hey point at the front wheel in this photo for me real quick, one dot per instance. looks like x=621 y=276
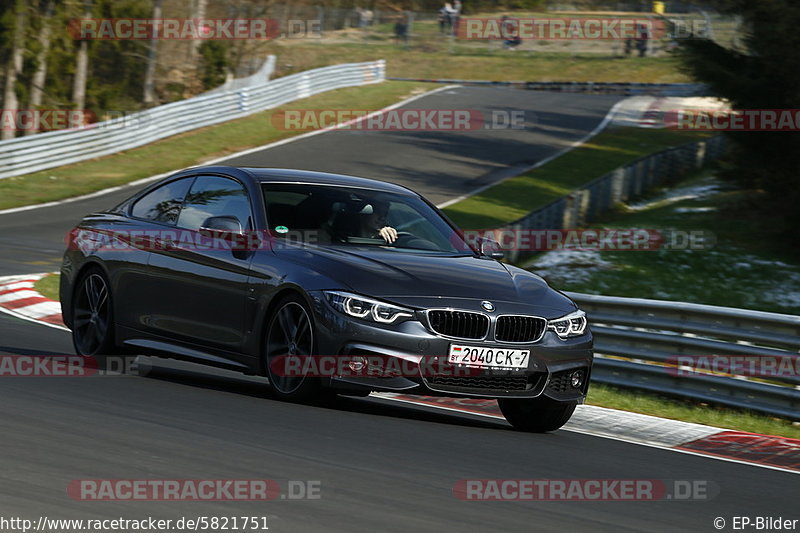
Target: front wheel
x=536 y=415
x=290 y=333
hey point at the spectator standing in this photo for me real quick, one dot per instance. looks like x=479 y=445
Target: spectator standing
x=456 y=15
x=642 y=36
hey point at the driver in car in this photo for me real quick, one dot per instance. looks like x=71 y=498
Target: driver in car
x=372 y=222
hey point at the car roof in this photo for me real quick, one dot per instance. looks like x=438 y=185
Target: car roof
x=266 y=175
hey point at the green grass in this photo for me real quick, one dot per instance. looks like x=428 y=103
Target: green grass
x=747 y=264
x=187 y=149
x=435 y=61
x=656 y=405
x=48 y=286
x=517 y=196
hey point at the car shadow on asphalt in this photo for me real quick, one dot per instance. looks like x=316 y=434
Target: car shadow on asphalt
x=191 y=375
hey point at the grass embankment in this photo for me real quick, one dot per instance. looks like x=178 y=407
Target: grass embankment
x=469 y=63
x=517 y=196
x=743 y=263
x=656 y=405
x=48 y=286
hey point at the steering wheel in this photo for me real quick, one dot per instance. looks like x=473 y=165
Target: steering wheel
x=409 y=240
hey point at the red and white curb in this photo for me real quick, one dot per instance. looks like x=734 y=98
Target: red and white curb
x=766 y=451
x=19 y=298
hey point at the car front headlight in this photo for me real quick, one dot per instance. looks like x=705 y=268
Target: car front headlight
x=571 y=325
x=367 y=308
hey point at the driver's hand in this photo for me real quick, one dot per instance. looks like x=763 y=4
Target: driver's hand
x=388 y=233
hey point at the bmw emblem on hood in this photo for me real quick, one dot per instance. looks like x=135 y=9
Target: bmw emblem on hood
x=487 y=305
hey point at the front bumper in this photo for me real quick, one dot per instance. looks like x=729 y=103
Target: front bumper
x=551 y=363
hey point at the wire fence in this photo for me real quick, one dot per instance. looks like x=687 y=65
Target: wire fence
x=438 y=31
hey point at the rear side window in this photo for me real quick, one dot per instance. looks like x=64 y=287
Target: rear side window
x=215 y=196
x=164 y=203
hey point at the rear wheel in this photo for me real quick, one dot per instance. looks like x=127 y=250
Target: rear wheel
x=536 y=415
x=290 y=333
x=93 y=317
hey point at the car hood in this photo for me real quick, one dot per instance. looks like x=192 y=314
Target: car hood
x=414 y=279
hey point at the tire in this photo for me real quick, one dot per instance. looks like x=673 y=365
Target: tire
x=93 y=317
x=536 y=415
x=290 y=331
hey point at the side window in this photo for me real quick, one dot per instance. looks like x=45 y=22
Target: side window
x=214 y=196
x=164 y=203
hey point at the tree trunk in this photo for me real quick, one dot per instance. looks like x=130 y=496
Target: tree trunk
x=14 y=67
x=152 y=60
x=79 y=84
x=40 y=76
x=198 y=13
x=82 y=66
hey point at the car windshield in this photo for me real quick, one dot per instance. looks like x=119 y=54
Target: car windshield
x=356 y=217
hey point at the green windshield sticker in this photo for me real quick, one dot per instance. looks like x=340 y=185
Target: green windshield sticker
x=281 y=229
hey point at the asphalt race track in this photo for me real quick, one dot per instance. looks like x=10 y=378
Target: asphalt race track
x=380 y=466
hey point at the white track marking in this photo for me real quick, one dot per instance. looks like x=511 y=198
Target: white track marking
x=54 y=307
x=600 y=127
x=585 y=412
x=41 y=309
x=17 y=295
x=17 y=285
x=13 y=313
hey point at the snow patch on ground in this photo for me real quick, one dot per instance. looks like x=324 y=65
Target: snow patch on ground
x=569 y=266
x=694 y=209
x=697 y=191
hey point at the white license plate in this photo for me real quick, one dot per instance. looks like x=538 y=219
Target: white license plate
x=484 y=357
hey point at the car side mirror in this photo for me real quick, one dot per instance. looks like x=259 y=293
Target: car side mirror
x=490 y=248
x=228 y=228
x=225 y=224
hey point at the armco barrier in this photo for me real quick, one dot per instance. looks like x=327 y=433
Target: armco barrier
x=587 y=203
x=639 y=344
x=24 y=155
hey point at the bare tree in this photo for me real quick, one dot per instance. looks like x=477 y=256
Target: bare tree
x=40 y=76
x=82 y=65
x=152 y=60
x=14 y=67
x=199 y=13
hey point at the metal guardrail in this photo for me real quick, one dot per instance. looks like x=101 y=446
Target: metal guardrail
x=658 y=345
x=663 y=347
x=24 y=155
x=260 y=77
x=621 y=184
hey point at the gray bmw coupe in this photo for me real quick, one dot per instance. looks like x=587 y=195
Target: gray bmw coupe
x=324 y=284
